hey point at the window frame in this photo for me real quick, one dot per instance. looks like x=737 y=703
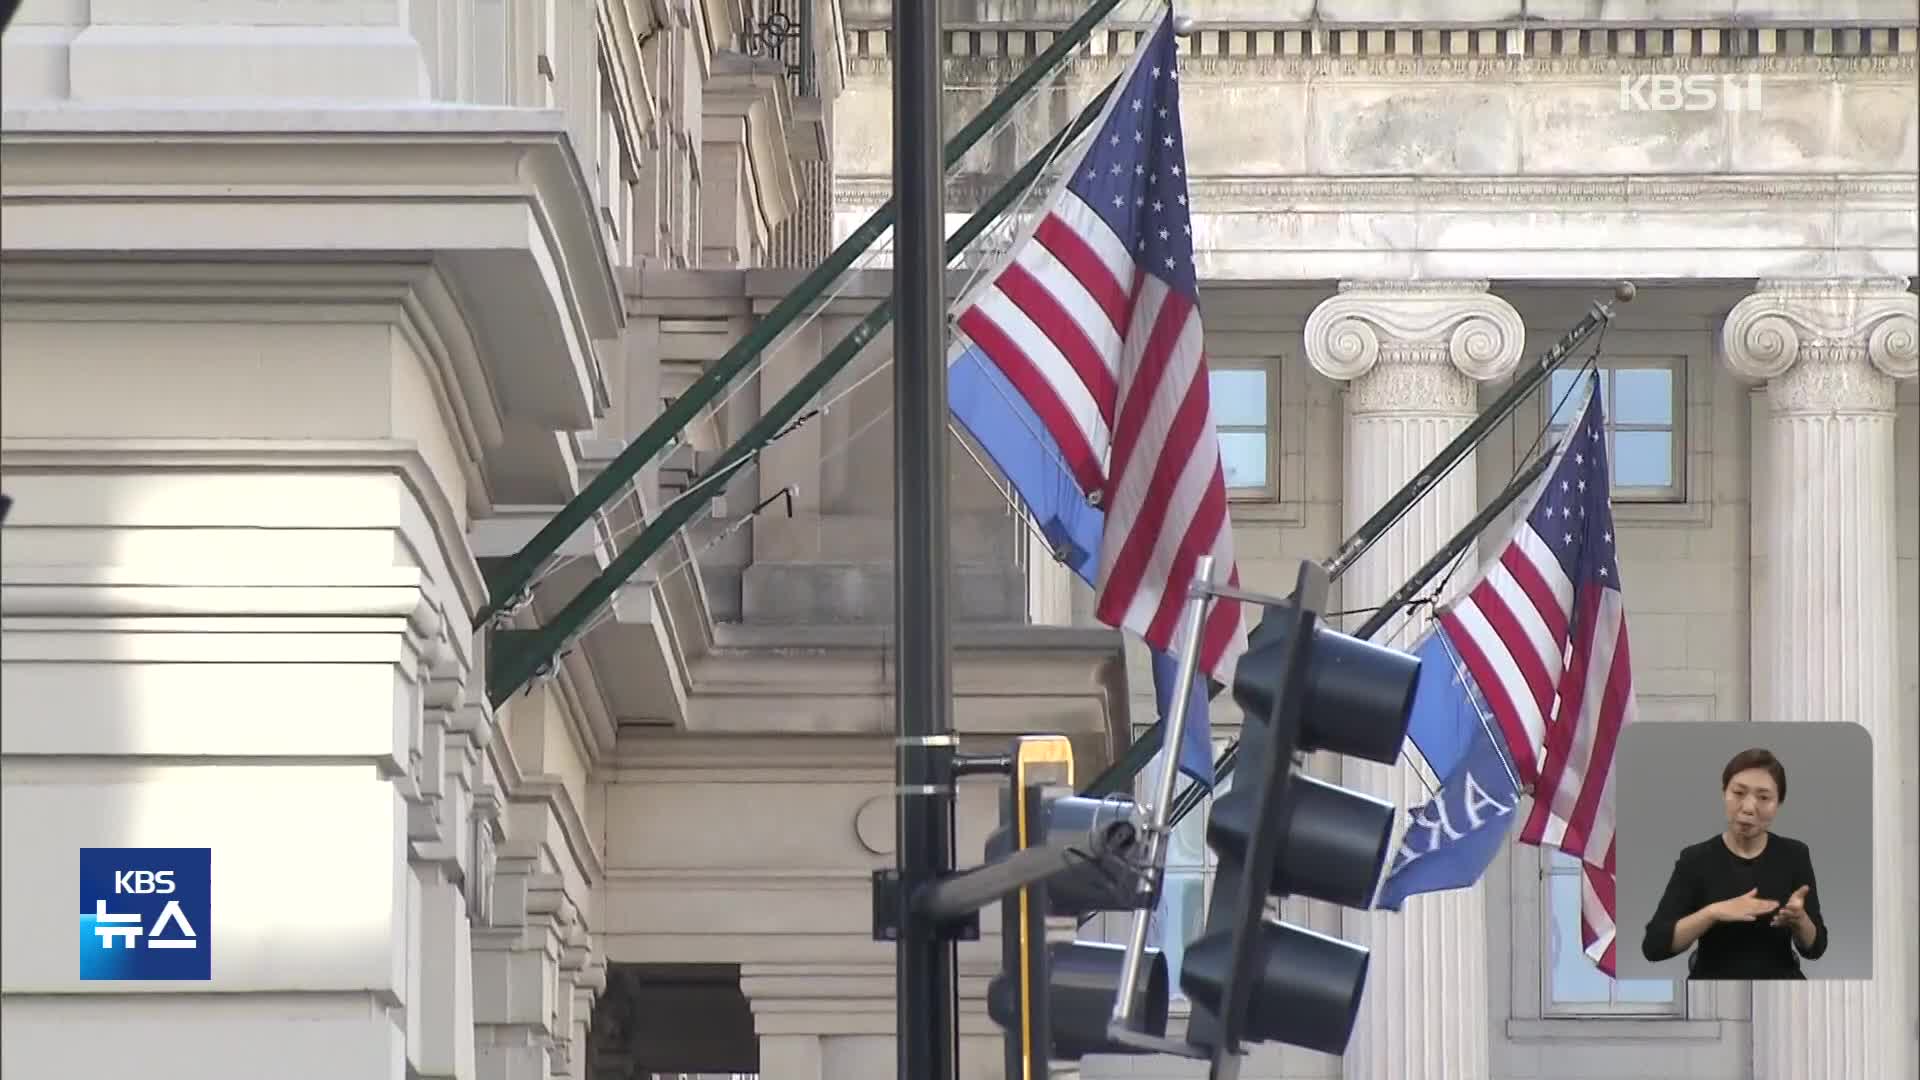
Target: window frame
x=1269 y=367
x=1613 y=1008
x=1678 y=421
x=1708 y=1006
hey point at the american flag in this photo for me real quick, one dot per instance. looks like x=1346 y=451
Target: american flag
x=1094 y=318
x=1544 y=633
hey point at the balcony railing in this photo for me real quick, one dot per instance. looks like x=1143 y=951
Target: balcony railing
x=783 y=30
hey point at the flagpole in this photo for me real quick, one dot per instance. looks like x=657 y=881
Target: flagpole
x=1191 y=796
x=1160 y=823
x=926 y=1020
x=1526 y=380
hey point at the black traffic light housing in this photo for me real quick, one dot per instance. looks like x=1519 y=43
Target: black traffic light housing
x=1055 y=999
x=1303 y=687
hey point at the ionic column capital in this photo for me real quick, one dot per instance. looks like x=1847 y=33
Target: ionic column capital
x=1825 y=345
x=1405 y=343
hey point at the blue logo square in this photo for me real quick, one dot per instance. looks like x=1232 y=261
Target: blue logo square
x=146 y=914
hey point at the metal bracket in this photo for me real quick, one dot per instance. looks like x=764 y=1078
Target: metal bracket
x=503 y=643
x=886 y=913
x=1140 y=1040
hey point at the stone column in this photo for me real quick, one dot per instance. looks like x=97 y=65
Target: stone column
x=1412 y=354
x=1830 y=352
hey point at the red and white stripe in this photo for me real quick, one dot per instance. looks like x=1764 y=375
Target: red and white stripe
x=1558 y=677
x=1596 y=914
x=1112 y=361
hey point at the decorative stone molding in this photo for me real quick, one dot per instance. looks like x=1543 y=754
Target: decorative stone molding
x=749 y=187
x=1489 y=66
x=1826 y=346
x=483 y=858
x=538 y=972
x=1429 y=43
x=863 y=194
x=1414 y=345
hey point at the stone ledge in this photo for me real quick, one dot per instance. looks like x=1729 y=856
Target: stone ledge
x=814 y=594
x=1010 y=637
x=1628 y=1030
x=494 y=198
x=1719 y=192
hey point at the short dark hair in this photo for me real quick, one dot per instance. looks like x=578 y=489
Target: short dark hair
x=1756 y=758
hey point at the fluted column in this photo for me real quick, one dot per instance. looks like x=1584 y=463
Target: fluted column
x=1830 y=352
x=1412 y=354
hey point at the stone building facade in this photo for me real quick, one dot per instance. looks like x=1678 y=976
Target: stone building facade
x=311 y=310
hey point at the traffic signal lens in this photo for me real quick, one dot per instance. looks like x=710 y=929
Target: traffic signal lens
x=1307 y=985
x=1336 y=843
x=1359 y=694
x=1333 y=841
x=1085 y=982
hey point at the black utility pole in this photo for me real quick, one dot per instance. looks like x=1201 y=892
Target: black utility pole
x=923 y=689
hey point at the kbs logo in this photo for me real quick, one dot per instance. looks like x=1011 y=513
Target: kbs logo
x=1690 y=93
x=146 y=914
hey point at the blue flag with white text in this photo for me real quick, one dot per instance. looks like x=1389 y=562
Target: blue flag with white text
x=1006 y=427
x=1450 y=841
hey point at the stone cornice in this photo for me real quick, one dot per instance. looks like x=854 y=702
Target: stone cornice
x=463 y=186
x=1265 y=195
x=997 y=70
x=413 y=295
x=399 y=459
x=1320 y=39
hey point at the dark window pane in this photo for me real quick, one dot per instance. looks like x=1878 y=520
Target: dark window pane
x=1643 y=396
x=1243 y=457
x=1238 y=397
x=1643 y=459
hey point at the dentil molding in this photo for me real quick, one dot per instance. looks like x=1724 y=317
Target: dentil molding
x=1407 y=344
x=1826 y=345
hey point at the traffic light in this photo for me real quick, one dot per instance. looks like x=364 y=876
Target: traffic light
x=1054 y=999
x=1280 y=832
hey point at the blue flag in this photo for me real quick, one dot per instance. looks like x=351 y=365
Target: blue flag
x=1447 y=705
x=1008 y=429
x=1451 y=839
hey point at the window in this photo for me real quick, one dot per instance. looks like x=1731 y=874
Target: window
x=1573 y=985
x=1644 y=444
x=1241 y=394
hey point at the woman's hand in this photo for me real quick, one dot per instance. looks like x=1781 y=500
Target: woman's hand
x=1794 y=911
x=1793 y=915
x=1746 y=907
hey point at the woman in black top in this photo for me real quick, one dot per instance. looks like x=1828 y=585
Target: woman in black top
x=1746 y=898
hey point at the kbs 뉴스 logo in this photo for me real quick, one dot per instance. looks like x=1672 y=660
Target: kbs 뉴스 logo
x=146 y=914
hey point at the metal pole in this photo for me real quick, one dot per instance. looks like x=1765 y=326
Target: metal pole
x=515 y=576
x=512 y=666
x=1196 y=617
x=1117 y=776
x=1470 y=532
x=927 y=1032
